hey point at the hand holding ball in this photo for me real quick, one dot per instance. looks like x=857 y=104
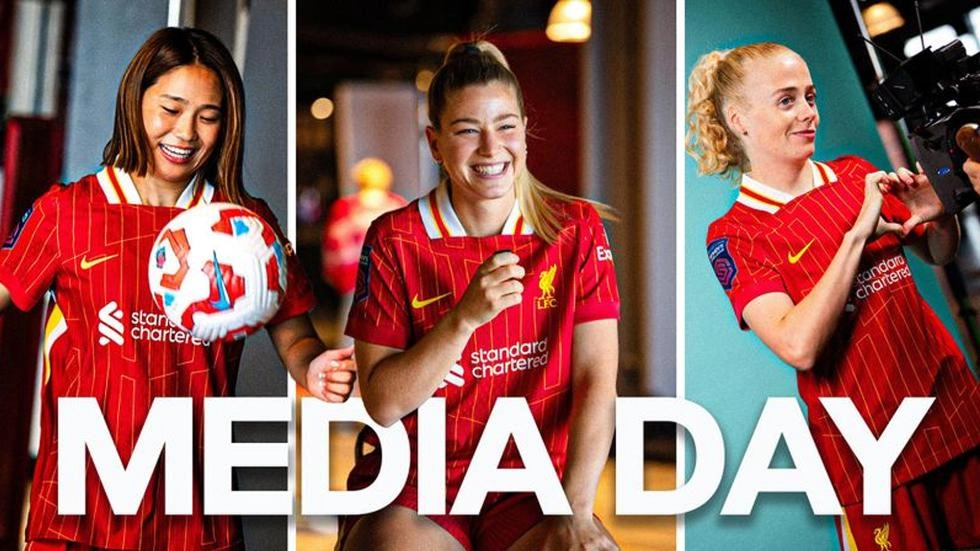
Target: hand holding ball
x=218 y=271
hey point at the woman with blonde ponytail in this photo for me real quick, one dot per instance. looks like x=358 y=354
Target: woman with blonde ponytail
x=811 y=256
x=491 y=286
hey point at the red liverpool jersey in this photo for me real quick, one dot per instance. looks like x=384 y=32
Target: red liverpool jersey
x=415 y=266
x=89 y=242
x=888 y=344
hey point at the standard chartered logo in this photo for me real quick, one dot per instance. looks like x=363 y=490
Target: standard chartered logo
x=454 y=377
x=519 y=356
x=883 y=274
x=143 y=326
x=490 y=362
x=110 y=324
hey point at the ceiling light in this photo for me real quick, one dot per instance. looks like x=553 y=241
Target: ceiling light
x=881 y=18
x=322 y=108
x=422 y=80
x=570 y=21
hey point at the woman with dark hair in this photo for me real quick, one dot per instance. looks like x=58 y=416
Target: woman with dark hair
x=185 y=51
x=812 y=258
x=177 y=142
x=491 y=286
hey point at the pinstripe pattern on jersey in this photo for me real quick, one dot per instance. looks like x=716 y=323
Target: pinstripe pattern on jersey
x=87 y=220
x=408 y=262
x=888 y=344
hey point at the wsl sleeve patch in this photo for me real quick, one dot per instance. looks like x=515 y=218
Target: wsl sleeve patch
x=722 y=262
x=15 y=234
x=362 y=289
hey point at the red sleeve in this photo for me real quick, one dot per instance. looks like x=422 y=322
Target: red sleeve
x=299 y=295
x=742 y=269
x=598 y=295
x=30 y=255
x=380 y=311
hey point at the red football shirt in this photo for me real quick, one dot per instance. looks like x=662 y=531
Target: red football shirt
x=416 y=264
x=344 y=230
x=89 y=242
x=888 y=344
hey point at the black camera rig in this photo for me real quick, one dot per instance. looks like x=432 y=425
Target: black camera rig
x=938 y=95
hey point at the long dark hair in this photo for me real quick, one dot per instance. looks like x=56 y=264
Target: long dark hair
x=164 y=51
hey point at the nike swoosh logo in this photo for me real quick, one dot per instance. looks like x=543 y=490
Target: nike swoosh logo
x=222 y=303
x=416 y=303
x=794 y=258
x=86 y=263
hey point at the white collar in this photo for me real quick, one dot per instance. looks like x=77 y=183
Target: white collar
x=754 y=194
x=440 y=219
x=119 y=188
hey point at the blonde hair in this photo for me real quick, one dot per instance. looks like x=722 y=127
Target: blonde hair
x=715 y=82
x=479 y=63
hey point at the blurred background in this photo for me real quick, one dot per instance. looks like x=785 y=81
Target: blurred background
x=599 y=86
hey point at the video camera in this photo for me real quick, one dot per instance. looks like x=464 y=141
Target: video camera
x=938 y=95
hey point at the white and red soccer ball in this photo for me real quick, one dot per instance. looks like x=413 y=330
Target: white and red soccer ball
x=218 y=271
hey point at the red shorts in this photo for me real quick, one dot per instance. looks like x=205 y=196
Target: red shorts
x=51 y=545
x=59 y=545
x=503 y=519
x=940 y=510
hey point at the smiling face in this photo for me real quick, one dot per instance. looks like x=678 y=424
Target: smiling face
x=182 y=116
x=776 y=115
x=481 y=142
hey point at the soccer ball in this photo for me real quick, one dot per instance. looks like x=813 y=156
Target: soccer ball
x=218 y=271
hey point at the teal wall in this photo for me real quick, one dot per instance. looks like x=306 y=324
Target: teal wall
x=728 y=371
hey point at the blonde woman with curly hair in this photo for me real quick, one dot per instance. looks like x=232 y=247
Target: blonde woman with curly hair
x=811 y=256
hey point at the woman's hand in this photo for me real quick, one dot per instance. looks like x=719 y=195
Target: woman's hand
x=395 y=382
x=561 y=533
x=869 y=224
x=496 y=286
x=916 y=191
x=4 y=298
x=331 y=375
x=972 y=170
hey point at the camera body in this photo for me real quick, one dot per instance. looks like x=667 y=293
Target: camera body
x=937 y=92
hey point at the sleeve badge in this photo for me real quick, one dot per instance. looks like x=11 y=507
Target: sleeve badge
x=722 y=262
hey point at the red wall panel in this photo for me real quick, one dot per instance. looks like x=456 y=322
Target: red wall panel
x=549 y=76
